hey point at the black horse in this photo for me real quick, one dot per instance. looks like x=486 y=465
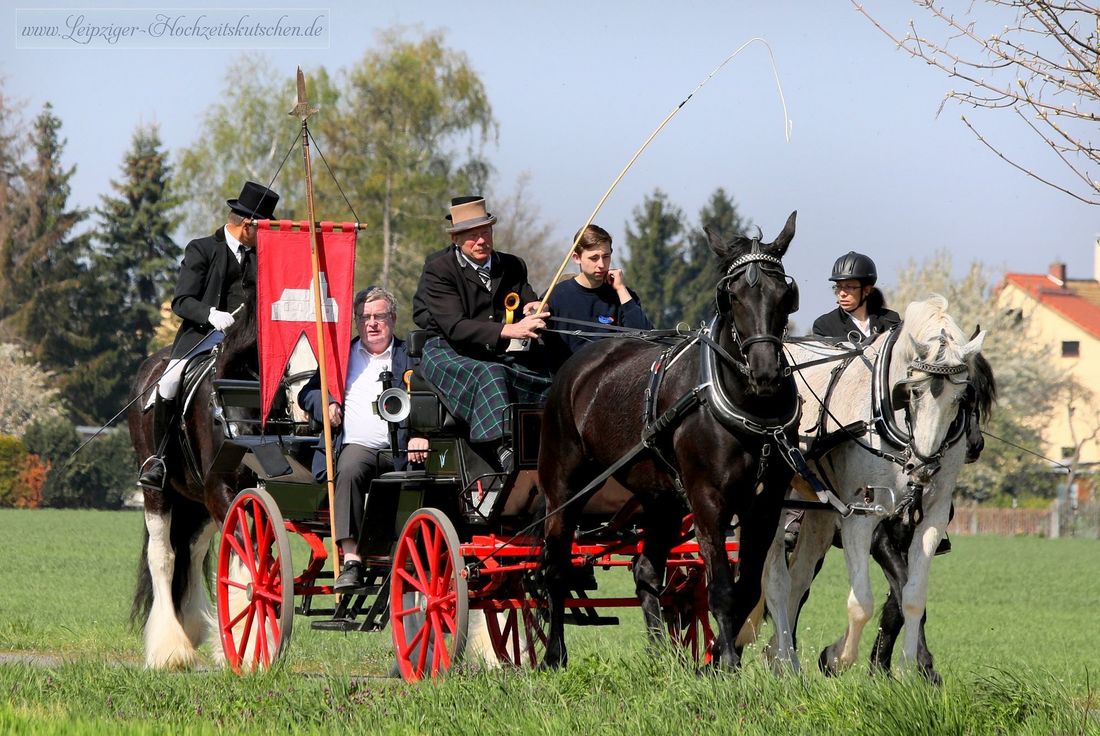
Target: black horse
x=180 y=521
x=709 y=399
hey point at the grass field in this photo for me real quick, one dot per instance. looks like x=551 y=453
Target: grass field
x=1012 y=622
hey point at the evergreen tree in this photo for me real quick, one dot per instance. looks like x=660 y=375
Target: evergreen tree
x=132 y=274
x=656 y=266
x=44 y=260
x=10 y=156
x=696 y=290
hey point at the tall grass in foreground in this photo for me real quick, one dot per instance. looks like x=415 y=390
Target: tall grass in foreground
x=651 y=695
x=1011 y=622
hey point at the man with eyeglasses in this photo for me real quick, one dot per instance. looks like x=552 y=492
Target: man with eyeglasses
x=217 y=275
x=362 y=445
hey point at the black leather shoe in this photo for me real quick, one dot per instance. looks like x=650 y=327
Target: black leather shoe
x=152 y=474
x=351 y=576
x=944 y=547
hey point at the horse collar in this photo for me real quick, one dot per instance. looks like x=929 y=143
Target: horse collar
x=726 y=412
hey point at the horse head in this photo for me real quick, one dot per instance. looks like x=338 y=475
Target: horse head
x=938 y=362
x=754 y=297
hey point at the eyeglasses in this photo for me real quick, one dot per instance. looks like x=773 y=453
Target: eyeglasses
x=377 y=317
x=846 y=288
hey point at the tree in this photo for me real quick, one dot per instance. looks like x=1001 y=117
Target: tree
x=521 y=231
x=131 y=275
x=1028 y=385
x=42 y=302
x=656 y=264
x=1034 y=58
x=696 y=292
x=247 y=135
x=26 y=392
x=407 y=136
x=10 y=158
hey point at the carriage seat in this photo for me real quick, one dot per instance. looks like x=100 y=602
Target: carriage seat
x=427 y=413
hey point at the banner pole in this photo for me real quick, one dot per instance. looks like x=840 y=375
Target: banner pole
x=303 y=110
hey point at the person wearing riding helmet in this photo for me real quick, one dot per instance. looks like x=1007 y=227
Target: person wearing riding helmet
x=860 y=316
x=861 y=311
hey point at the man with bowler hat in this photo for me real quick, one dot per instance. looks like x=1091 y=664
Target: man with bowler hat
x=216 y=274
x=476 y=301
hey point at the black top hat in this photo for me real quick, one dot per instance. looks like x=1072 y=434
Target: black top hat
x=255 y=201
x=467 y=213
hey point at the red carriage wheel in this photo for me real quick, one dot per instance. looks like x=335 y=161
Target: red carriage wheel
x=519 y=634
x=255 y=584
x=687 y=612
x=429 y=608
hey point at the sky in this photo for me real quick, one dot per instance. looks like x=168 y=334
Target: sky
x=577 y=86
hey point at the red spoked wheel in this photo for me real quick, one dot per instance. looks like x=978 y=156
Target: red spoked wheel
x=519 y=634
x=255 y=584
x=688 y=612
x=429 y=608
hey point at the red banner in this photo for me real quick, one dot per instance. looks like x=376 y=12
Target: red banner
x=285 y=302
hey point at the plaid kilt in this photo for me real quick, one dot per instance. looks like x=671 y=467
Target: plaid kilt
x=479 y=392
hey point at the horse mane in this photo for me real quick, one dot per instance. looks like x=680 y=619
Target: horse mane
x=238 y=356
x=924 y=322
x=984 y=384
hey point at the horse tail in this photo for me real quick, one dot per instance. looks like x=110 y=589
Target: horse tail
x=143 y=588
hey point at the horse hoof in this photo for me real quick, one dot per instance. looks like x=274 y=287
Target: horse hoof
x=827 y=663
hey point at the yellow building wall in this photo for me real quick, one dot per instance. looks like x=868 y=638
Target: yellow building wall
x=1054 y=329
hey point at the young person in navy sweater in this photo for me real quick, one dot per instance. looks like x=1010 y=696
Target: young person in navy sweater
x=598 y=294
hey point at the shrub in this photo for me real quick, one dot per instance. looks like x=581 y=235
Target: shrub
x=22 y=474
x=99 y=476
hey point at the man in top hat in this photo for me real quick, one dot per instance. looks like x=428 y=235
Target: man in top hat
x=476 y=301
x=216 y=274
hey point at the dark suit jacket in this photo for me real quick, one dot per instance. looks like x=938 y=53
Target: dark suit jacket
x=202 y=284
x=309 y=398
x=451 y=301
x=838 y=324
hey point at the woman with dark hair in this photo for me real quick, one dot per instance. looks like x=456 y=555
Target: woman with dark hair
x=861 y=311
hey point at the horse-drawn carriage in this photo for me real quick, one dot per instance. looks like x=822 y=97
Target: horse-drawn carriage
x=703 y=430
x=449 y=548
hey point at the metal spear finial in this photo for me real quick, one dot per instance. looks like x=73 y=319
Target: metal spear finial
x=303 y=109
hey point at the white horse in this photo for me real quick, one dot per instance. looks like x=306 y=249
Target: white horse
x=895 y=414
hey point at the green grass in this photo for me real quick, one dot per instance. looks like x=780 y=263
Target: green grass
x=1011 y=622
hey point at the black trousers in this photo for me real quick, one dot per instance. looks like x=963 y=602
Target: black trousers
x=356 y=467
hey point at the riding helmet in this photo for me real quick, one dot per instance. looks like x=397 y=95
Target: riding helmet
x=854 y=265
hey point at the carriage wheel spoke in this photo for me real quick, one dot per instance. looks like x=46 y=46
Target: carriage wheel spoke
x=418 y=584
x=246 y=634
x=418 y=564
x=417 y=638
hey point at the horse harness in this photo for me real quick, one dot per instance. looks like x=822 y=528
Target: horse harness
x=883 y=405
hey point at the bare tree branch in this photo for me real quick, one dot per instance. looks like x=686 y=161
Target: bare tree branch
x=1043 y=63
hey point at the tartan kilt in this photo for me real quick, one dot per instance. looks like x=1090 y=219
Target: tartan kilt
x=479 y=392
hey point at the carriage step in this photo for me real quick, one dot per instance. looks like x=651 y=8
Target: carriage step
x=336 y=624
x=583 y=617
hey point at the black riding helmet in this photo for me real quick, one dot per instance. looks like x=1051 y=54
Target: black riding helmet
x=854 y=265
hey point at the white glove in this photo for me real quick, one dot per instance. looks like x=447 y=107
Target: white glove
x=220 y=320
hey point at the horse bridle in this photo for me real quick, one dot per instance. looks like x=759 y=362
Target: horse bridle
x=750 y=265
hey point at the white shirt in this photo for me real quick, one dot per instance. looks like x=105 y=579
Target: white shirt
x=362 y=426
x=235 y=246
x=863 y=325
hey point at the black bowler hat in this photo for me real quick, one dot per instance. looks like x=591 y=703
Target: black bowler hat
x=255 y=201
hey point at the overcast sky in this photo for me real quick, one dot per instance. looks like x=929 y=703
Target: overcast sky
x=576 y=88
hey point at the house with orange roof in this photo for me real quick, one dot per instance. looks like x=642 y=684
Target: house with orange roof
x=1064 y=312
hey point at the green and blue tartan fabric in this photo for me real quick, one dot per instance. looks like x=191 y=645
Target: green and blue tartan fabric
x=479 y=392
